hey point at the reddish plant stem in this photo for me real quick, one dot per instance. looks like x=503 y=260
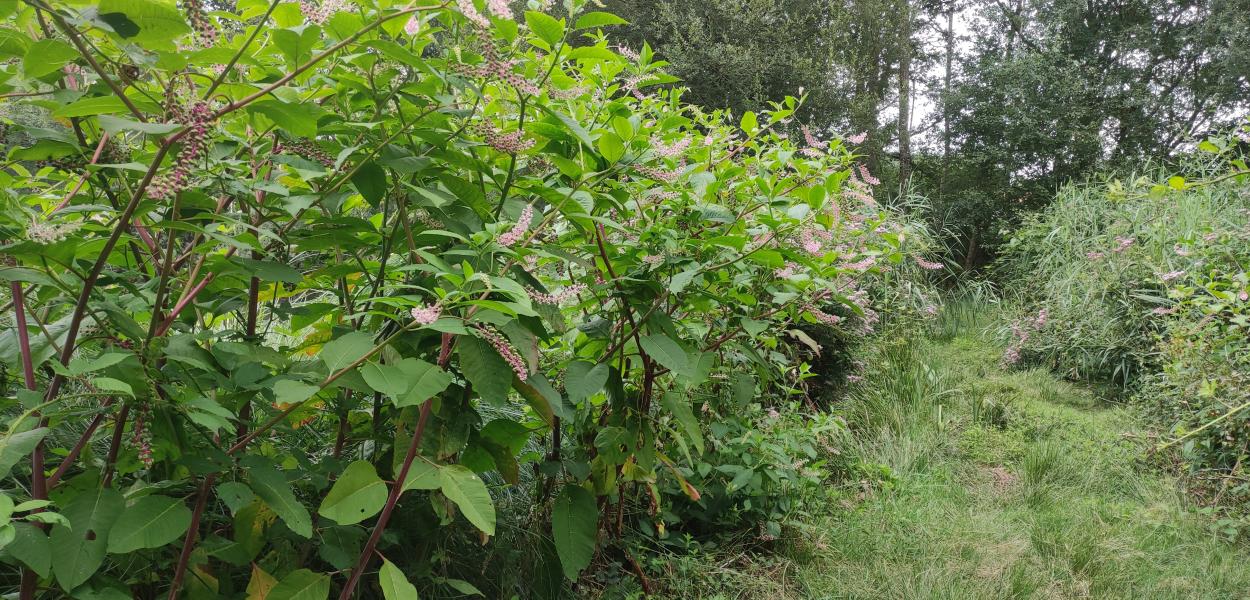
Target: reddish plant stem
x=192 y=532
x=397 y=487
x=70 y=458
x=38 y=484
x=115 y=444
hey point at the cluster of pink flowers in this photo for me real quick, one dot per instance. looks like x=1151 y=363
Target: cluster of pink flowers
x=196 y=119
x=559 y=297
x=1093 y=255
x=319 y=12
x=1169 y=276
x=413 y=26
x=930 y=310
x=813 y=239
x=1163 y=311
x=508 y=143
x=1122 y=244
x=494 y=66
x=862 y=265
x=813 y=148
x=929 y=265
x=653 y=259
x=204 y=29
x=1020 y=334
x=425 y=315
x=501 y=345
x=787 y=271
x=517 y=232
x=628 y=53
x=868 y=178
x=858 y=138
x=470 y=12
x=1180 y=250
x=499 y=8
x=822 y=316
x=658 y=174
x=672 y=150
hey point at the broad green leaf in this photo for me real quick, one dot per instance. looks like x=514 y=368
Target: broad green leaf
x=485 y=369
x=345 y=350
x=583 y=380
x=46 y=56
x=292 y=392
x=14 y=447
x=260 y=585
x=393 y=583
x=428 y=380
x=296 y=118
x=301 y=585
x=108 y=384
x=665 y=351
x=611 y=146
x=80 y=547
x=99 y=105
x=750 y=123
x=272 y=487
x=31 y=546
x=548 y=29
x=357 y=495
x=143 y=21
x=388 y=379
x=151 y=522
x=370 y=181
x=598 y=19
x=116 y=125
x=466 y=489
x=574 y=525
x=422 y=475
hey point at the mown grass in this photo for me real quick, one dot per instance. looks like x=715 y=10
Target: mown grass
x=996 y=485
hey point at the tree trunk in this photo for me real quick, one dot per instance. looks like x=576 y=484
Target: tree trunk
x=904 y=100
x=946 y=98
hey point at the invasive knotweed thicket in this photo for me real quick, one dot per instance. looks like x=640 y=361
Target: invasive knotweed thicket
x=293 y=282
x=1147 y=284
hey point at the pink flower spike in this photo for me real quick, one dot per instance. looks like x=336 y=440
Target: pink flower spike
x=425 y=315
x=501 y=345
x=413 y=26
x=858 y=138
x=929 y=265
x=510 y=238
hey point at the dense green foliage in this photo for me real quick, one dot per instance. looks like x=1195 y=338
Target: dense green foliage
x=319 y=297
x=1145 y=284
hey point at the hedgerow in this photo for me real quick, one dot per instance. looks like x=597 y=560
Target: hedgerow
x=297 y=286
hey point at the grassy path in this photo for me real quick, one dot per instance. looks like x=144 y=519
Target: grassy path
x=1005 y=485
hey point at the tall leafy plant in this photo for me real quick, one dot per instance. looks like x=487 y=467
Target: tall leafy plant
x=279 y=270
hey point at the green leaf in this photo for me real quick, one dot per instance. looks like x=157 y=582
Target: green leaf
x=143 y=21
x=151 y=522
x=393 y=583
x=485 y=369
x=583 y=380
x=296 y=118
x=289 y=391
x=422 y=475
x=272 y=487
x=108 y=384
x=750 y=123
x=47 y=56
x=574 y=524
x=598 y=19
x=115 y=125
x=301 y=585
x=611 y=146
x=79 y=548
x=345 y=350
x=16 y=446
x=679 y=405
x=466 y=489
x=99 y=105
x=427 y=379
x=546 y=27
x=370 y=181
x=679 y=282
x=31 y=546
x=665 y=351
x=357 y=495
x=388 y=379
x=1176 y=182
